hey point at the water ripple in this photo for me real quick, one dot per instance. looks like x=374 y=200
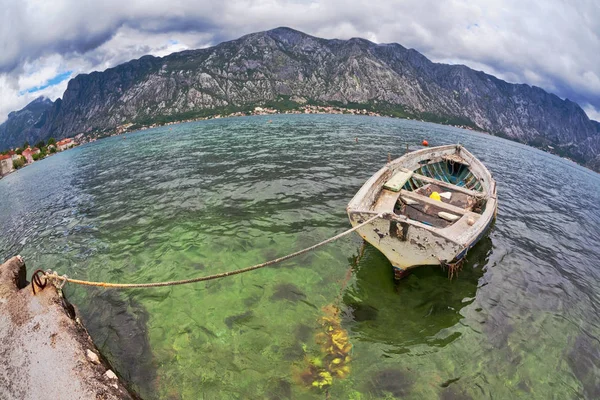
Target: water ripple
x=206 y=197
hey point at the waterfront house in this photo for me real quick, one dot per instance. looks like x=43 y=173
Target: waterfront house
x=64 y=144
x=35 y=150
x=13 y=155
x=27 y=153
x=6 y=164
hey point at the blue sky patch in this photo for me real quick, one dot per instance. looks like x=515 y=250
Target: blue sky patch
x=50 y=82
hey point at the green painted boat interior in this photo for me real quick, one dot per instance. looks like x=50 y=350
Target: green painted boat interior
x=446 y=171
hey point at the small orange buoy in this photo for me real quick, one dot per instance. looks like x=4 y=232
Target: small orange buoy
x=425 y=142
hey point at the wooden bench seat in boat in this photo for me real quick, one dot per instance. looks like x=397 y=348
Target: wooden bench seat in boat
x=386 y=201
x=457 y=199
x=447 y=185
x=462 y=225
x=421 y=207
x=398 y=180
x=405 y=194
x=434 y=212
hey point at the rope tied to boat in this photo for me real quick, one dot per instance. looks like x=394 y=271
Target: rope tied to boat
x=60 y=280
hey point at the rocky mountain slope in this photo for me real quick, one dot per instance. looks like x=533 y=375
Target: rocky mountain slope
x=25 y=124
x=284 y=66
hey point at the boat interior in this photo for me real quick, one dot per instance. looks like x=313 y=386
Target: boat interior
x=439 y=193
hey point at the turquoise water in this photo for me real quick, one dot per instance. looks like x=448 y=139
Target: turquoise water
x=521 y=320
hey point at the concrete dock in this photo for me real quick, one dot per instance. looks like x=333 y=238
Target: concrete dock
x=46 y=352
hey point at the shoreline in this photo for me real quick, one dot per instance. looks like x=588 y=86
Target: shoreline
x=82 y=139
x=321 y=110
x=264 y=111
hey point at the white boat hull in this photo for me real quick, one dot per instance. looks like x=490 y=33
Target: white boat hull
x=408 y=243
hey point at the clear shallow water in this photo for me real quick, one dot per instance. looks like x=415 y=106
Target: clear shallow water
x=522 y=319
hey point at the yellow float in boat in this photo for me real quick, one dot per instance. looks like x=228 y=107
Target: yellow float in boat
x=435 y=196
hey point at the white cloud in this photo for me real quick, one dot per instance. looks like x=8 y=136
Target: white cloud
x=552 y=44
x=124 y=45
x=592 y=112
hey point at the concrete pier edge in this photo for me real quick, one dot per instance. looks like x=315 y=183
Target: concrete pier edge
x=46 y=352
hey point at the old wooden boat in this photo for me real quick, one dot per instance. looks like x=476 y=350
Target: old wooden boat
x=436 y=203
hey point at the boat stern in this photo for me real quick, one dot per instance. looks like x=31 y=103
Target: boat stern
x=403 y=243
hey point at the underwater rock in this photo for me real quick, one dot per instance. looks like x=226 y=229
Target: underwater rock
x=279 y=390
x=394 y=381
x=498 y=329
x=303 y=332
x=524 y=386
x=207 y=331
x=449 y=382
x=584 y=360
x=43 y=350
x=287 y=291
x=453 y=393
x=120 y=324
x=252 y=300
x=199 y=266
x=239 y=319
x=293 y=353
x=271 y=254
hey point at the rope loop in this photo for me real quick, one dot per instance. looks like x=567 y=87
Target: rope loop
x=36 y=279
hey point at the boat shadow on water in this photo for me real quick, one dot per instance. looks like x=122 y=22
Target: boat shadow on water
x=415 y=310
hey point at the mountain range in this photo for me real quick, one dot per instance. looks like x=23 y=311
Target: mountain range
x=285 y=68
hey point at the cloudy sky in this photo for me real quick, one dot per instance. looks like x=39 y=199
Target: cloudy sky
x=554 y=44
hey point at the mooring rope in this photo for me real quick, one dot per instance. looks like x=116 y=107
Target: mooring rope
x=53 y=276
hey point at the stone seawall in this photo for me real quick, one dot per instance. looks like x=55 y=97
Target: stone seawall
x=46 y=352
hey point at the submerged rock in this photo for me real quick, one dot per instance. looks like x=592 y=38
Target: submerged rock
x=303 y=333
x=584 y=360
x=452 y=393
x=394 y=381
x=287 y=291
x=279 y=389
x=118 y=323
x=239 y=319
x=45 y=353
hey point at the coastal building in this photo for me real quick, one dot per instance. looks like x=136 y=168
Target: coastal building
x=120 y=129
x=35 y=150
x=13 y=155
x=64 y=144
x=6 y=164
x=27 y=153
